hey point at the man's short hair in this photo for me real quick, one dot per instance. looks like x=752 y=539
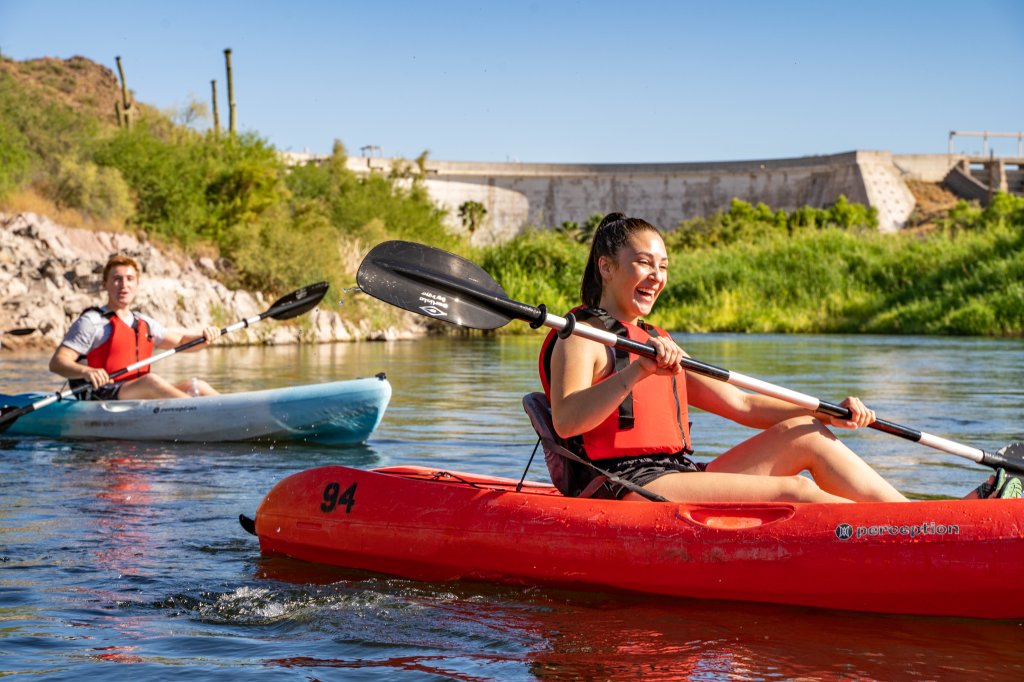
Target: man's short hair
x=119 y=259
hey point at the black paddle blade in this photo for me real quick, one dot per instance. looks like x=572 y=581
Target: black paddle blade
x=248 y=525
x=298 y=302
x=435 y=283
x=20 y=332
x=1010 y=457
x=5 y=422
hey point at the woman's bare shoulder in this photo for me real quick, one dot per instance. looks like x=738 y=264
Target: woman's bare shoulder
x=577 y=351
x=575 y=341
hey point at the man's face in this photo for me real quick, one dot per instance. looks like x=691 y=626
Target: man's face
x=121 y=284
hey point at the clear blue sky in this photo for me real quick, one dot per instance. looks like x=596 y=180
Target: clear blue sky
x=565 y=81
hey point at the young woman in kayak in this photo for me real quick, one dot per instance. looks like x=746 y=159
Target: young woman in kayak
x=630 y=416
x=104 y=340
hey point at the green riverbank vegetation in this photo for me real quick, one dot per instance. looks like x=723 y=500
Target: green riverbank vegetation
x=275 y=227
x=751 y=269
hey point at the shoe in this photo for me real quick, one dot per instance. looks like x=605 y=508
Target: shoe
x=1012 y=489
x=992 y=486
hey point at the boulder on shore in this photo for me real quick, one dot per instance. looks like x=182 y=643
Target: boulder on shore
x=50 y=273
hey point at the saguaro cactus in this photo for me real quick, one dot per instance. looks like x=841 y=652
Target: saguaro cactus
x=216 y=117
x=231 y=92
x=123 y=109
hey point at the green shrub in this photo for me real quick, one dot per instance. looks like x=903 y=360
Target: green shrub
x=539 y=266
x=15 y=160
x=191 y=186
x=400 y=209
x=243 y=180
x=100 y=193
x=744 y=222
x=166 y=176
x=34 y=133
x=834 y=281
x=286 y=248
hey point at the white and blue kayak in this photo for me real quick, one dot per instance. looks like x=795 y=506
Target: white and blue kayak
x=335 y=413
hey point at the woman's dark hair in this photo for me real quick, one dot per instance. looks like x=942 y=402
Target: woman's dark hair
x=614 y=231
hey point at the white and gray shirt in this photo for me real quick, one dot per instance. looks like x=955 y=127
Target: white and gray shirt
x=91 y=330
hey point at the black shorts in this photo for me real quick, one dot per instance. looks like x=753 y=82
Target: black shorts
x=642 y=470
x=105 y=392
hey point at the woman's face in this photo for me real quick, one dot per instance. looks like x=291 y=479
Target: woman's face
x=635 y=276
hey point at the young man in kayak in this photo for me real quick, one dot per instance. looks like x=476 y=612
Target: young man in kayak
x=104 y=340
x=630 y=417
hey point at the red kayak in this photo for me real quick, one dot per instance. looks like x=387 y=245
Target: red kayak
x=943 y=558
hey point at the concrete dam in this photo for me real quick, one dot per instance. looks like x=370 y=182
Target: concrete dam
x=519 y=195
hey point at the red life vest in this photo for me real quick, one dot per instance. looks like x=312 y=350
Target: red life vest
x=126 y=346
x=652 y=419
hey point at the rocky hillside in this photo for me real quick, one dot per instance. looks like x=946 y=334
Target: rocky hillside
x=50 y=273
x=88 y=88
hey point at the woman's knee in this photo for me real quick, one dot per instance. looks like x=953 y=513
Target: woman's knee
x=795 y=428
x=800 y=488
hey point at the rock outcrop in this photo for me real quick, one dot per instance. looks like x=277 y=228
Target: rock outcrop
x=50 y=273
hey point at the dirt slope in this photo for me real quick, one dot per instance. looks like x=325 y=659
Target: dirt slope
x=82 y=84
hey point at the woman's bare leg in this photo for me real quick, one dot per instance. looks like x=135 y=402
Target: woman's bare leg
x=805 y=444
x=727 y=487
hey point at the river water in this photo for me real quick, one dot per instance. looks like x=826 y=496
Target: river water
x=126 y=561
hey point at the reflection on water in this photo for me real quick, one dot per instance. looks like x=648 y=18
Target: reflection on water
x=126 y=559
x=567 y=635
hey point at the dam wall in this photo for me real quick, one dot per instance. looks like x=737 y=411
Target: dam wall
x=518 y=195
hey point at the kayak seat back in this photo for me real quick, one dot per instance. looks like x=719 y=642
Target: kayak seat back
x=568 y=472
